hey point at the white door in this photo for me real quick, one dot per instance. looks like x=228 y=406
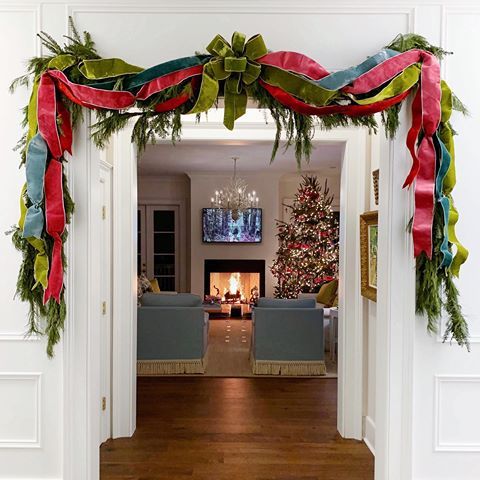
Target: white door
x=105 y=242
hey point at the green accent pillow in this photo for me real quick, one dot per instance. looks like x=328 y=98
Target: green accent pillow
x=327 y=293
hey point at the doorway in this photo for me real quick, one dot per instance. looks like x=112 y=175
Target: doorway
x=350 y=381
x=350 y=343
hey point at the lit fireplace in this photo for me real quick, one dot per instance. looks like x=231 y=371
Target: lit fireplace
x=234 y=281
x=235 y=287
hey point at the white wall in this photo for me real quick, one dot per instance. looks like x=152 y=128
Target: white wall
x=446 y=427
x=30 y=385
x=444 y=446
x=202 y=186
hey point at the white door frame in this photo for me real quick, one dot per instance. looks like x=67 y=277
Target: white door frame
x=81 y=352
x=106 y=298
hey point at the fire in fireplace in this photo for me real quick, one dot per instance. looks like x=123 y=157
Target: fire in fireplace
x=234 y=281
x=235 y=287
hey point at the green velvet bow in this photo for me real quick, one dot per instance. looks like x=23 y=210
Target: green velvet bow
x=234 y=64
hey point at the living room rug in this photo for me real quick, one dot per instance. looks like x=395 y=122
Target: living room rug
x=228 y=352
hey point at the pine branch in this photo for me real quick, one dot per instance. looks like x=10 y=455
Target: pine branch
x=410 y=41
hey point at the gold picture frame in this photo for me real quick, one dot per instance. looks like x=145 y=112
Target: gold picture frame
x=368 y=254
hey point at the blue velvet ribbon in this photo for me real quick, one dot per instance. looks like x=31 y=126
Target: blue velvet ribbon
x=340 y=79
x=443 y=165
x=35 y=172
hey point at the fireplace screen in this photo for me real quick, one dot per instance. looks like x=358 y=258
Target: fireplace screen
x=235 y=287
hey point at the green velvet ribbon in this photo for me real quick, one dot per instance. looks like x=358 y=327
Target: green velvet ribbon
x=100 y=69
x=299 y=86
x=236 y=65
x=62 y=62
x=41 y=264
x=446 y=136
x=399 y=84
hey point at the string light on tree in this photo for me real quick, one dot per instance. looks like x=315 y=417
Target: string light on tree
x=308 y=244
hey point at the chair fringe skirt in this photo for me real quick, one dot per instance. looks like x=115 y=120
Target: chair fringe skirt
x=294 y=368
x=152 y=368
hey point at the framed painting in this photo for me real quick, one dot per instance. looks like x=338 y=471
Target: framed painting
x=368 y=254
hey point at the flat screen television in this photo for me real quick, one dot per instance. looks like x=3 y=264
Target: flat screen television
x=218 y=226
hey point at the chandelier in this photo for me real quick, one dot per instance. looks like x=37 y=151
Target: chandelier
x=234 y=196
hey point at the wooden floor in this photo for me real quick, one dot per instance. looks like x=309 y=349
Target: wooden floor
x=236 y=429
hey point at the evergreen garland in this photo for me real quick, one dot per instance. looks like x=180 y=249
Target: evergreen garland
x=435 y=288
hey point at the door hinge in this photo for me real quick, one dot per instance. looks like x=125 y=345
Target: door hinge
x=104 y=308
x=104 y=212
x=104 y=403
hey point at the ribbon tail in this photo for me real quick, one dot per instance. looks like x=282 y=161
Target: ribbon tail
x=208 y=92
x=462 y=253
x=424 y=199
x=442 y=200
x=235 y=107
x=55 y=222
x=55 y=278
x=66 y=135
x=412 y=137
x=40 y=268
x=35 y=171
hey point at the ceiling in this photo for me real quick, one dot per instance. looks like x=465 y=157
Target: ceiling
x=215 y=156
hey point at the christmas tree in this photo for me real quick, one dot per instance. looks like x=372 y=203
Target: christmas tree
x=308 y=244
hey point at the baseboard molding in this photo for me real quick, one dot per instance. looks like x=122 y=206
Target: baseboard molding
x=369 y=434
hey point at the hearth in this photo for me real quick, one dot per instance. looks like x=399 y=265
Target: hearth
x=234 y=281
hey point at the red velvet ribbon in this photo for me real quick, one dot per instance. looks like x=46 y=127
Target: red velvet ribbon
x=172 y=103
x=426 y=111
x=180 y=99
x=426 y=116
x=66 y=135
x=412 y=137
x=55 y=225
x=385 y=71
x=47 y=115
x=93 y=97
x=424 y=199
x=294 y=62
x=165 y=81
x=352 y=110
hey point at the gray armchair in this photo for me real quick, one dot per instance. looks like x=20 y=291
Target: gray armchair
x=287 y=338
x=172 y=334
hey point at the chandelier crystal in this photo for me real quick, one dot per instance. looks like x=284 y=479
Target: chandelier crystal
x=234 y=196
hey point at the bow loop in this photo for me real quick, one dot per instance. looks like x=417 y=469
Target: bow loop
x=255 y=47
x=236 y=65
x=219 y=47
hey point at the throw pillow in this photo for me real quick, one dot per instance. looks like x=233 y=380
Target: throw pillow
x=327 y=293
x=155 y=286
x=143 y=285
